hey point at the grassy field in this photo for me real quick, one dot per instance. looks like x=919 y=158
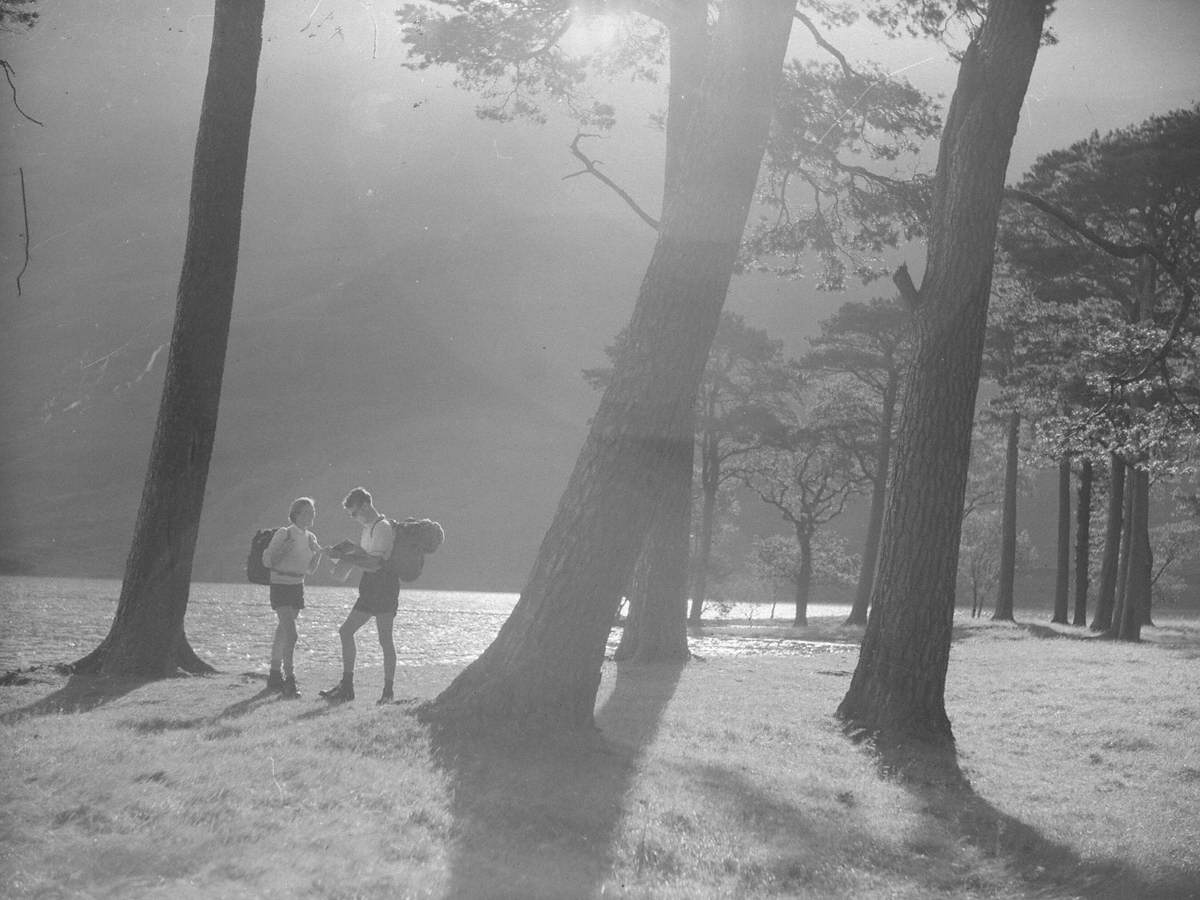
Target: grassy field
x=1077 y=774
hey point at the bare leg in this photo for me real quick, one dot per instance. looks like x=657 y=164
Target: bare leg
x=353 y=622
x=383 y=624
x=283 y=650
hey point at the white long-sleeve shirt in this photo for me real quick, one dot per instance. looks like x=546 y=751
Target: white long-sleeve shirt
x=290 y=560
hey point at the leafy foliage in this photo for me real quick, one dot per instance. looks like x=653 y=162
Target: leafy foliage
x=1105 y=343
x=830 y=127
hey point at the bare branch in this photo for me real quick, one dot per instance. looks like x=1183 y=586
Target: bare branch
x=590 y=168
x=824 y=44
x=25 y=210
x=8 y=74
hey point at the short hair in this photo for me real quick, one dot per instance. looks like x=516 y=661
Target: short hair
x=357 y=497
x=301 y=503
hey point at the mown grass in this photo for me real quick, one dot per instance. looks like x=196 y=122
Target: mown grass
x=1077 y=774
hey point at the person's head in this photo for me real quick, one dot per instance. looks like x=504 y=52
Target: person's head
x=358 y=501
x=303 y=512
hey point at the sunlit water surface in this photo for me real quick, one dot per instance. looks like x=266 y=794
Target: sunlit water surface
x=53 y=620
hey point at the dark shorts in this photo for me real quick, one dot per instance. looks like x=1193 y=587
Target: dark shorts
x=287 y=595
x=378 y=593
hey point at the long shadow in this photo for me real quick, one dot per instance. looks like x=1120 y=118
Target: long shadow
x=933 y=775
x=536 y=818
x=81 y=693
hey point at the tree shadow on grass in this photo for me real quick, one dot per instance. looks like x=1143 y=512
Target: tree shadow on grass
x=933 y=776
x=81 y=693
x=84 y=693
x=537 y=817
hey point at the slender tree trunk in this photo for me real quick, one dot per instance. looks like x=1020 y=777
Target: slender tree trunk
x=803 y=578
x=1062 y=584
x=543 y=669
x=710 y=480
x=883 y=461
x=656 y=627
x=1112 y=545
x=1008 y=523
x=1114 y=628
x=147 y=638
x=898 y=688
x=1137 y=591
x=1083 y=542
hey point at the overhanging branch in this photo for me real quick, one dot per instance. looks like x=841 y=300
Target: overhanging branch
x=1123 y=251
x=590 y=168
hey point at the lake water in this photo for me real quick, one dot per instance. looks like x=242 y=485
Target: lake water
x=52 y=620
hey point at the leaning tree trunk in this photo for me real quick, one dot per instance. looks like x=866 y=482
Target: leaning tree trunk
x=660 y=582
x=146 y=638
x=1083 y=542
x=656 y=628
x=898 y=688
x=883 y=461
x=1105 y=598
x=1008 y=523
x=1062 y=582
x=543 y=669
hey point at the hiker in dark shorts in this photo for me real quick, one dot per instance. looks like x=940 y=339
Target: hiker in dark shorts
x=378 y=596
x=293 y=553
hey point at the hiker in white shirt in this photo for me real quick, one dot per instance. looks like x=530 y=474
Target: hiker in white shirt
x=292 y=554
x=378 y=596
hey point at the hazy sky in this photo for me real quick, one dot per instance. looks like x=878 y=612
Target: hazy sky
x=369 y=182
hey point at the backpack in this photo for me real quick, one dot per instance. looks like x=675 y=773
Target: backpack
x=256 y=570
x=413 y=539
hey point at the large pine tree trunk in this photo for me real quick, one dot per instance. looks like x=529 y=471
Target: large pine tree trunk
x=898 y=688
x=1083 y=542
x=659 y=588
x=147 y=638
x=543 y=669
x=1106 y=596
x=1008 y=523
x=1062 y=582
x=883 y=461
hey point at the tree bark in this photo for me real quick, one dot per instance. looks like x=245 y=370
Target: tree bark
x=1008 y=523
x=1105 y=599
x=1114 y=628
x=883 y=461
x=147 y=638
x=710 y=483
x=543 y=669
x=1083 y=542
x=1062 y=583
x=660 y=580
x=1137 y=591
x=898 y=688
x=658 y=630
x=803 y=578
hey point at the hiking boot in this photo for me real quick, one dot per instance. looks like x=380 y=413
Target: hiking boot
x=339 y=693
x=385 y=697
x=275 y=680
x=289 y=689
